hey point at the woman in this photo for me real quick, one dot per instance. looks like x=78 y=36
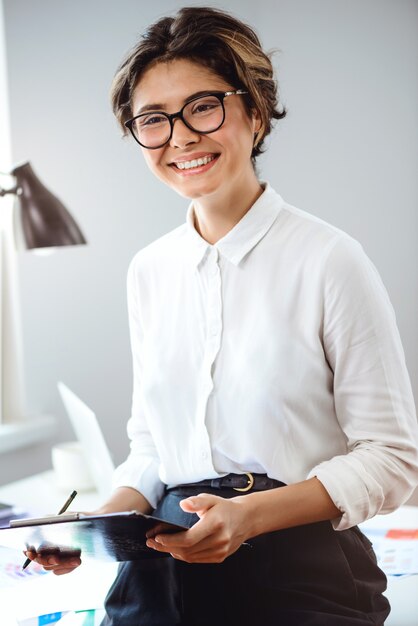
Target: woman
x=272 y=410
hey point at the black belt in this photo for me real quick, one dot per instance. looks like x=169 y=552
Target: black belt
x=238 y=482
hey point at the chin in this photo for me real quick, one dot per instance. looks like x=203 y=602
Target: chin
x=195 y=189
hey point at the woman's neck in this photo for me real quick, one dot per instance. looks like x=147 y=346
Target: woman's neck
x=216 y=216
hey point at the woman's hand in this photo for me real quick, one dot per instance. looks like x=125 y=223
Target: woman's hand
x=58 y=563
x=222 y=528
x=122 y=499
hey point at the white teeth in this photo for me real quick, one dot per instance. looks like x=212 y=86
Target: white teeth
x=186 y=165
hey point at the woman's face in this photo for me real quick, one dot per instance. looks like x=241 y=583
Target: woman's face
x=172 y=84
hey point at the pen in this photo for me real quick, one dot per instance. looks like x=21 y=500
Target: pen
x=62 y=510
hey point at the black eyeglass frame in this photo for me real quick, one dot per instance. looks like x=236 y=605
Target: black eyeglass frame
x=221 y=95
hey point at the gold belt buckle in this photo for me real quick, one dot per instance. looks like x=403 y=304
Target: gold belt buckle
x=249 y=485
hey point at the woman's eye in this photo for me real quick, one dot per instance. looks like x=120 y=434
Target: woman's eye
x=205 y=107
x=152 y=120
x=202 y=108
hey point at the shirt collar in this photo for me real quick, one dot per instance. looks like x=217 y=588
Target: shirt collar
x=245 y=234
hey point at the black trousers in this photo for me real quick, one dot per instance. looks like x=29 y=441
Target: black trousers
x=309 y=575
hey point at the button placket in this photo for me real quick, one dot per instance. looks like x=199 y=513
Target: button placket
x=212 y=346
x=214 y=314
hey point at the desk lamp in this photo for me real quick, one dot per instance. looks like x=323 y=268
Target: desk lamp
x=45 y=220
x=44 y=223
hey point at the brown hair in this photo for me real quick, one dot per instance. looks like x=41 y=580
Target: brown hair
x=214 y=39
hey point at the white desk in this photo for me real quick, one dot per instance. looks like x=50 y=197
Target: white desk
x=40 y=492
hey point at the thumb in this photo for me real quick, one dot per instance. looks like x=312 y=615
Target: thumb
x=199 y=504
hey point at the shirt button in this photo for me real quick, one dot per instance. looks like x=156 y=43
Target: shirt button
x=214 y=271
x=214 y=331
x=204 y=454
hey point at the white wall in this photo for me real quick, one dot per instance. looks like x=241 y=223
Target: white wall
x=347 y=152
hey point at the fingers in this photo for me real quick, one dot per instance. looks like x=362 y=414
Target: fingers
x=216 y=547
x=191 y=550
x=209 y=550
x=183 y=540
x=30 y=554
x=200 y=503
x=56 y=563
x=159 y=528
x=203 y=529
x=217 y=534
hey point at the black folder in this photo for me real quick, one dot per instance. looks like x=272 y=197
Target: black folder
x=108 y=537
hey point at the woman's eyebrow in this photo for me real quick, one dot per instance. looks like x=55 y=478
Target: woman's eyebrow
x=161 y=107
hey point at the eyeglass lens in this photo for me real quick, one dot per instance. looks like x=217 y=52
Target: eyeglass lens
x=203 y=115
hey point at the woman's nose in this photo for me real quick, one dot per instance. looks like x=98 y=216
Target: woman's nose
x=182 y=134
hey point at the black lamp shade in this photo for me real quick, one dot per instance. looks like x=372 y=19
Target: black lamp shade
x=45 y=220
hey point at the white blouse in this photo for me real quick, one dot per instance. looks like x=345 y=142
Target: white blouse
x=276 y=351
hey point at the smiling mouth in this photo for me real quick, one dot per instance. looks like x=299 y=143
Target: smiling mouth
x=194 y=164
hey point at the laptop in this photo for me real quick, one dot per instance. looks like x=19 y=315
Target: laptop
x=91 y=438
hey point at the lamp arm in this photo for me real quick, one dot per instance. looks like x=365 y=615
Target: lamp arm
x=13 y=190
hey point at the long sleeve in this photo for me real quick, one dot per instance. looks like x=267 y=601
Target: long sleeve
x=140 y=470
x=372 y=392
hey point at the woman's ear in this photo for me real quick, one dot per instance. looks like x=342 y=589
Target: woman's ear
x=256 y=119
x=257 y=124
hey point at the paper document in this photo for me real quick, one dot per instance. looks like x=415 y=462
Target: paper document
x=82 y=590
x=396 y=550
x=11 y=573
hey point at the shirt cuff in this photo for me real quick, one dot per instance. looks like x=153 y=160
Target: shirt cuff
x=141 y=476
x=354 y=492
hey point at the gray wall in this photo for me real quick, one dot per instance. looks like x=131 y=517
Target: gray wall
x=347 y=152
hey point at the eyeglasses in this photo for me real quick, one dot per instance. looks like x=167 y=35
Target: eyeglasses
x=203 y=114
